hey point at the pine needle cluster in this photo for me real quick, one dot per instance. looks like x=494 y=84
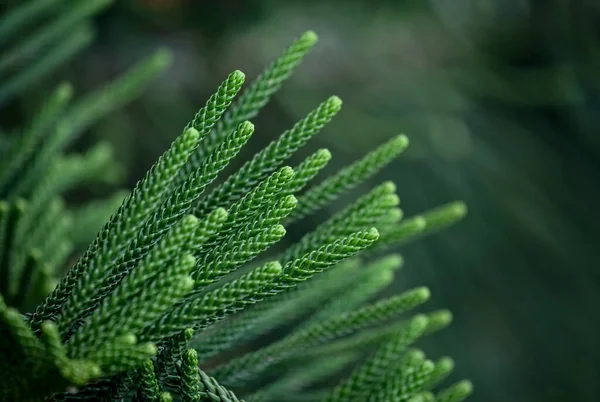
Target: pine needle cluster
x=168 y=299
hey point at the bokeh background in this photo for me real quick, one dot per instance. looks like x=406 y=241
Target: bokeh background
x=501 y=102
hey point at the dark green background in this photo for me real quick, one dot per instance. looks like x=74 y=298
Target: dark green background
x=501 y=101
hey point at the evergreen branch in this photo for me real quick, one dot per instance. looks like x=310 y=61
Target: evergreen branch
x=76 y=371
x=332 y=281
x=22 y=147
x=116 y=234
x=260 y=90
x=300 y=379
x=190 y=377
x=276 y=310
x=307 y=296
x=444 y=216
x=316 y=261
x=17 y=335
x=150 y=273
x=438 y=320
x=41 y=366
x=402 y=233
x=66 y=172
x=80 y=38
x=253 y=202
x=388 y=222
x=402 y=383
x=217 y=104
x=207 y=117
x=16 y=18
x=351 y=322
x=443 y=368
x=295 y=272
x=349 y=177
x=9 y=222
x=181 y=199
x=363 y=340
x=392 y=217
x=272 y=212
x=259 y=232
x=455 y=393
x=418 y=226
x=372 y=337
x=98 y=163
x=308 y=169
x=169 y=355
x=121 y=354
x=228 y=256
x=211 y=390
x=53 y=248
x=358 y=383
x=412 y=358
x=270 y=158
x=403 y=379
x=231 y=332
x=368 y=209
x=31 y=265
x=216 y=304
x=241 y=368
x=44 y=282
x=149 y=390
x=31 y=234
x=376 y=276
x=49 y=33
x=208 y=228
x=360 y=215
x=93 y=106
x=124 y=313
x=178 y=239
x=239 y=248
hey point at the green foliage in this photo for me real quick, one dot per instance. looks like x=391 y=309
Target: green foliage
x=271 y=157
x=169 y=263
x=260 y=90
x=349 y=177
x=49 y=44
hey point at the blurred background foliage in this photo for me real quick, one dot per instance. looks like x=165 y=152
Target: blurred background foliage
x=501 y=101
